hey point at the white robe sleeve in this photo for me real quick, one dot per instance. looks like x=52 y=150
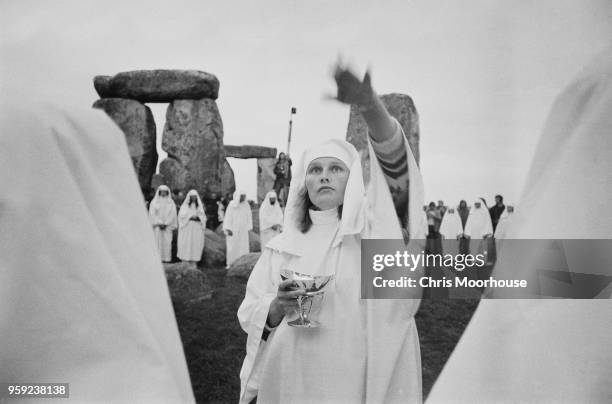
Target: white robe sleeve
x=228 y=223
x=153 y=217
x=171 y=220
x=253 y=312
x=249 y=218
x=183 y=217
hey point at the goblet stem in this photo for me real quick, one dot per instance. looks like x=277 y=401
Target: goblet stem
x=300 y=299
x=305 y=309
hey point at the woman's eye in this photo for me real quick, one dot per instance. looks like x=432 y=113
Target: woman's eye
x=314 y=170
x=337 y=169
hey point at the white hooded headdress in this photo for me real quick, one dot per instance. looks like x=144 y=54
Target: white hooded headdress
x=184 y=209
x=162 y=205
x=371 y=214
x=269 y=214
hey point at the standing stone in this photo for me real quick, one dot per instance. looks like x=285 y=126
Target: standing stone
x=228 y=185
x=265 y=177
x=158 y=85
x=402 y=108
x=136 y=122
x=193 y=139
x=157 y=180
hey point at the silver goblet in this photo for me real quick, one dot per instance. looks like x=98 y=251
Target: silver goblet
x=313 y=285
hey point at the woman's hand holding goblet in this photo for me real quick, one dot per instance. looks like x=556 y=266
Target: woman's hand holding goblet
x=284 y=303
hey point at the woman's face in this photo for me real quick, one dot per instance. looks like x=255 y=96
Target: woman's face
x=326 y=179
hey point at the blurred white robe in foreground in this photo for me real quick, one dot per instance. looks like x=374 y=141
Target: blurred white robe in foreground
x=239 y=220
x=162 y=211
x=190 y=241
x=83 y=296
x=269 y=216
x=557 y=350
x=366 y=351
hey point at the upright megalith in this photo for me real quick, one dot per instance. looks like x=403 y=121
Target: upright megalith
x=228 y=184
x=193 y=134
x=158 y=85
x=402 y=108
x=136 y=122
x=265 y=177
x=193 y=139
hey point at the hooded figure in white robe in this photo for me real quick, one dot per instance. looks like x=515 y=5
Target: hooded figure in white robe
x=479 y=222
x=479 y=228
x=83 y=296
x=450 y=230
x=162 y=214
x=365 y=351
x=270 y=218
x=451 y=227
x=551 y=350
x=237 y=223
x=192 y=225
x=504 y=222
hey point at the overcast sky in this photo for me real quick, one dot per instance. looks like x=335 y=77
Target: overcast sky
x=483 y=73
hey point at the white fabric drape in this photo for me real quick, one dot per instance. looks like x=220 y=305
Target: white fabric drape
x=554 y=350
x=83 y=296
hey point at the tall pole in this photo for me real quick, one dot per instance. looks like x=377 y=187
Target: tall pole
x=293 y=111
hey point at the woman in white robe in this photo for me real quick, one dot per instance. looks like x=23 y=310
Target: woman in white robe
x=366 y=351
x=192 y=226
x=238 y=221
x=270 y=218
x=162 y=214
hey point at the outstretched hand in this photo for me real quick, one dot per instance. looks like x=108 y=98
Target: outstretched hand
x=352 y=90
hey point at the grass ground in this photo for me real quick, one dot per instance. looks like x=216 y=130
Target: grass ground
x=214 y=343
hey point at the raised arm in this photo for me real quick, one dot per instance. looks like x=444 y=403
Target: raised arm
x=384 y=131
